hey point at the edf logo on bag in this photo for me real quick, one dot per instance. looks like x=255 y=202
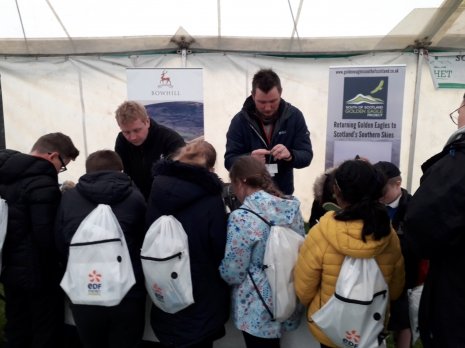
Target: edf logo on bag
x=95 y=284
x=352 y=339
x=98 y=241
x=158 y=292
x=166 y=265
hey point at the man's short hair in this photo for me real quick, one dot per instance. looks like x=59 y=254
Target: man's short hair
x=104 y=160
x=130 y=111
x=265 y=80
x=390 y=170
x=56 y=142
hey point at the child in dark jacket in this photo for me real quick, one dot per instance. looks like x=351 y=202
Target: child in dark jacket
x=122 y=325
x=187 y=188
x=396 y=200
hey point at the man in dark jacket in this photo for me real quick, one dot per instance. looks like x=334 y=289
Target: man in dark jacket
x=142 y=142
x=435 y=224
x=122 y=325
x=31 y=273
x=271 y=130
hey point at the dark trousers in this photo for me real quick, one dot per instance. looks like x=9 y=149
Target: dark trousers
x=120 y=326
x=34 y=318
x=208 y=343
x=259 y=342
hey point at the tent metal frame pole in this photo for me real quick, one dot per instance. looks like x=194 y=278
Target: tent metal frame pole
x=413 y=131
x=184 y=57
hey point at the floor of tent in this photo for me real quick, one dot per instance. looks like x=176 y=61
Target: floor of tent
x=295 y=339
x=233 y=339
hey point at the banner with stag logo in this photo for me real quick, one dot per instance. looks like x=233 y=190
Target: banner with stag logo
x=172 y=97
x=365 y=113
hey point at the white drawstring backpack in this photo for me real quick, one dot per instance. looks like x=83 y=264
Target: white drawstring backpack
x=354 y=316
x=281 y=252
x=3 y=226
x=166 y=265
x=99 y=270
x=414 y=296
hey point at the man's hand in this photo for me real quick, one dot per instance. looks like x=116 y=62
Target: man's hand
x=280 y=152
x=260 y=154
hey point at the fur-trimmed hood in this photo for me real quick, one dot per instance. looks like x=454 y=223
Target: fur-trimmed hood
x=321 y=192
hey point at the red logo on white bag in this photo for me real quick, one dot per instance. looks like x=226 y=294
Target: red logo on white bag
x=95 y=284
x=158 y=292
x=95 y=277
x=352 y=339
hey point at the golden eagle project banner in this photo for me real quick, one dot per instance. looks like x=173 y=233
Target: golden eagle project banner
x=365 y=106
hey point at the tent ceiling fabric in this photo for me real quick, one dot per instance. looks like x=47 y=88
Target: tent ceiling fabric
x=287 y=27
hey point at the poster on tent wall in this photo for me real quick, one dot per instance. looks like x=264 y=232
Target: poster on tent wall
x=172 y=97
x=365 y=106
x=447 y=69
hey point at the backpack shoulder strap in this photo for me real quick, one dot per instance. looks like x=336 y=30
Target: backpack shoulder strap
x=261 y=217
x=261 y=297
x=250 y=274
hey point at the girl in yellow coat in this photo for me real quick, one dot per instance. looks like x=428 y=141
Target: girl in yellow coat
x=360 y=229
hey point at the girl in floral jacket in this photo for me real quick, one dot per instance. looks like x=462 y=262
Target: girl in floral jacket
x=245 y=248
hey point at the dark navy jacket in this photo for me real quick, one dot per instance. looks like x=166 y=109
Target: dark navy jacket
x=138 y=160
x=245 y=134
x=193 y=195
x=30 y=186
x=435 y=225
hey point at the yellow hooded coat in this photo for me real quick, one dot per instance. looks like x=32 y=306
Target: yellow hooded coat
x=321 y=257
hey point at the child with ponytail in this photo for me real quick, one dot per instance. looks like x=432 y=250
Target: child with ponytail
x=360 y=229
x=242 y=265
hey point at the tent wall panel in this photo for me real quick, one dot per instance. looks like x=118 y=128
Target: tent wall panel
x=78 y=96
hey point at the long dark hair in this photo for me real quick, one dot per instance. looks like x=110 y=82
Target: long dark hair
x=361 y=186
x=254 y=174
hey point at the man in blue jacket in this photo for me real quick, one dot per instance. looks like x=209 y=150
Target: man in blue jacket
x=271 y=130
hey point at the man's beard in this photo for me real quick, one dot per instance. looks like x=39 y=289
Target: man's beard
x=267 y=119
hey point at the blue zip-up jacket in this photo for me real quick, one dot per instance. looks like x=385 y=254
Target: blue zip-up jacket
x=245 y=134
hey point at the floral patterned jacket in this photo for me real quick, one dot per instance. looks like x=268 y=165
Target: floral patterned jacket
x=245 y=248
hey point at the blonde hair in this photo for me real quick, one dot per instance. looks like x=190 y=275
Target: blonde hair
x=198 y=153
x=130 y=111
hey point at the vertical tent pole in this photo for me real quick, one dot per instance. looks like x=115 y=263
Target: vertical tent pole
x=413 y=132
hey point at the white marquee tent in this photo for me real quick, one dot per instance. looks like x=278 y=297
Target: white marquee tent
x=63 y=67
